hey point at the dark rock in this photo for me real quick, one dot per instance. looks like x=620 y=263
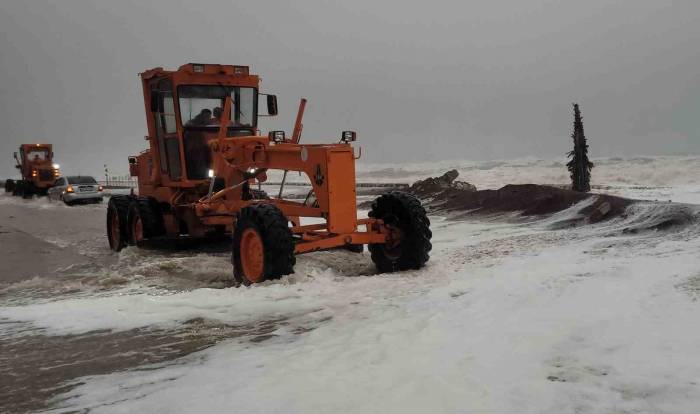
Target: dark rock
x=444 y=195
x=435 y=185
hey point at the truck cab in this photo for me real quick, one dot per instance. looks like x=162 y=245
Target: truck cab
x=183 y=113
x=36 y=167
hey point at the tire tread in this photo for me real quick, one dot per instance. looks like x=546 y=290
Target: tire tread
x=415 y=224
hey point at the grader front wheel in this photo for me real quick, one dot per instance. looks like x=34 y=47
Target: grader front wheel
x=262 y=245
x=408 y=243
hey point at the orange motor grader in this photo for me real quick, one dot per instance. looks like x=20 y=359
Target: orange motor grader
x=35 y=163
x=205 y=159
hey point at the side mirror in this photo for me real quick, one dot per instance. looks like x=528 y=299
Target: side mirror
x=133 y=167
x=272 y=105
x=14 y=154
x=154 y=101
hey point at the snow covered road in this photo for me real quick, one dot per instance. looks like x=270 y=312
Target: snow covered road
x=507 y=317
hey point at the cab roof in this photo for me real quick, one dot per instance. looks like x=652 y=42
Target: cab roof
x=30 y=146
x=202 y=69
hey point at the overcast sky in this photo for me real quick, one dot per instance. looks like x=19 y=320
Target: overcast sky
x=427 y=81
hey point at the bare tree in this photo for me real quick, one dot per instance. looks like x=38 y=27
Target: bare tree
x=579 y=166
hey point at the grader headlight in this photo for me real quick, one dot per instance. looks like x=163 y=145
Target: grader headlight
x=251 y=172
x=276 y=136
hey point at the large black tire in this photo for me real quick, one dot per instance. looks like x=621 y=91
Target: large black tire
x=22 y=189
x=270 y=225
x=28 y=190
x=9 y=186
x=117 y=229
x=406 y=214
x=145 y=210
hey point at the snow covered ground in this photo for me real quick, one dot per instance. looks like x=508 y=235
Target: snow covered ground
x=507 y=317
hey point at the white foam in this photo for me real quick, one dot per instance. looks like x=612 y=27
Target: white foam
x=506 y=318
x=586 y=323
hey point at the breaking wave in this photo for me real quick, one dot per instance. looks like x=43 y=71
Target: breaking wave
x=637 y=218
x=638 y=171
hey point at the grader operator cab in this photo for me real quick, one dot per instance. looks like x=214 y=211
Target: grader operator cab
x=38 y=172
x=206 y=154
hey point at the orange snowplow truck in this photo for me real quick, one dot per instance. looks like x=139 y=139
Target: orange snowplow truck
x=35 y=163
x=205 y=159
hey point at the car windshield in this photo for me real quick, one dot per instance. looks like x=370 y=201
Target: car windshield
x=202 y=105
x=38 y=154
x=81 y=180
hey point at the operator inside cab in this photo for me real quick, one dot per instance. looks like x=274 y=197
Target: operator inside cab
x=216 y=120
x=201 y=112
x=201 y=119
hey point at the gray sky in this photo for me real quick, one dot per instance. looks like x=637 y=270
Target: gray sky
x=437 y=80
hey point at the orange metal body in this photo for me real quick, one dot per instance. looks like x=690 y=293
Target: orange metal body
x=329 y=167
x=38 y=171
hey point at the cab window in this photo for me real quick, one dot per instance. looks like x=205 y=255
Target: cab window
x=38 y=154
x=166 y=129
x=202 y=105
